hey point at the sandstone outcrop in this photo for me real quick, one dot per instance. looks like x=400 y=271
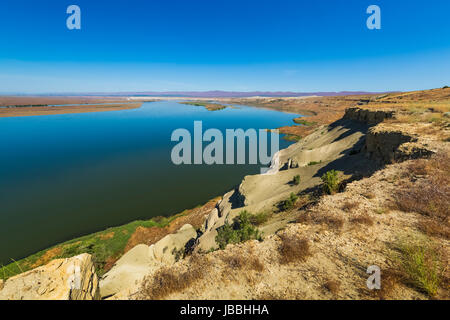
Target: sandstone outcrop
x=389 y=143
x=370 y=117
x=61 y=279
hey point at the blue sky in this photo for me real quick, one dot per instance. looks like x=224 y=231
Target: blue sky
x=195 y=45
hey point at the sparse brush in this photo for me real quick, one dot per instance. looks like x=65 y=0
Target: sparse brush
x=293 y=249
x=296 y=180
x=434 y=228
x=428 y=192
x=240 y=261
x=168 y=280
x=423 y=265
x=333 y=221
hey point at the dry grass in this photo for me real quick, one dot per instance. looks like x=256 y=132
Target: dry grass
x=433 y=228
x=349 y=206
x=363 y=219
x=334 y=222
x=270 y=295
x=239 y=262
x=369 y=195
x=419 y=116
x=293 y=249
x=427 y=192
x=333 y=286
x=168 y=280
x=390 y=280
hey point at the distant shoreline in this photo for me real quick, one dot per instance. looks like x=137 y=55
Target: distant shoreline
x=24 y=111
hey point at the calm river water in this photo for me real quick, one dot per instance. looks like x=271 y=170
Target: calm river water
x=63 y=176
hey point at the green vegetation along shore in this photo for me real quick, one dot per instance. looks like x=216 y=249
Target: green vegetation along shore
x=105 y=246
x=208 y=106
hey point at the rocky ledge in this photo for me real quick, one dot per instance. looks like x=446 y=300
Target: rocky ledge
x=61 y=279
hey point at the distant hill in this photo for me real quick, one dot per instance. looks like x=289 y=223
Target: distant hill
x=214 y=94
x=239 y=94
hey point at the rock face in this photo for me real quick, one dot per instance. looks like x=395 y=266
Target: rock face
x=387 y=143
x=128 y=271
x=382 y=143
x=215 y=220
x=211 y=220
x=390 y=144
x=371 y=117
x=61 y=279
x=166 y=249
x=133 y=266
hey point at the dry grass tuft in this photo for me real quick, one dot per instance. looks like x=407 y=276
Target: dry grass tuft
x=334 y=222
x=168 y=280
x=239 y=262
x=433 y=228
x=349 y=206
x=390 y=279
x=293 y=249
x=363 y=219
x=333 y=286
x=369 y=195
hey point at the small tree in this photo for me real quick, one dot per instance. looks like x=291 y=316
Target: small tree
x=330 y=181
x=296 y=180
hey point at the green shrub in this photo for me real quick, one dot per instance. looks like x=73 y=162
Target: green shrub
x=240 y=230
x=296 y=180
x=312 y=163
x=330 y=181
x=288 y=203
x=422 y=264
x=259 y=218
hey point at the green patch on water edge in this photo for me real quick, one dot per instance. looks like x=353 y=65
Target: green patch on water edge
x=104 y=246
x=292 y=137
x=304 y=122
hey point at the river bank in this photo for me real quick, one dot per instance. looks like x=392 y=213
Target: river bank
x=42 y=110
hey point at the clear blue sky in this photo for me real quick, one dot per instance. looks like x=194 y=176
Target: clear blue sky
x=158 y=45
